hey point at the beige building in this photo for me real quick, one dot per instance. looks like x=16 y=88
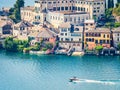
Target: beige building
x=38 y=13
x=116 y=36
x=21 y=30
x=57 y=18
x=89 y=25
x=27 y=13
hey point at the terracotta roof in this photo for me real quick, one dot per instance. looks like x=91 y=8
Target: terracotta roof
x=65 y=25
x=45 y=33
x=101 y=30
x=2 y=23
x=116 y=30
x=23 y=24
x=28 y=8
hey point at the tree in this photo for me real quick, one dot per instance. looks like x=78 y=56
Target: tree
x=15 y=12
x=98 y=48
x=49 y=46
x=10 y=44
x=118 y=1
x=108 y=14
x=118 y=46
x=110 y=3
x=116 y=11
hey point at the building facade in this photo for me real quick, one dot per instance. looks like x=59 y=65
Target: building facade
x=116 y=36
x=71 y=36
x=38 y=13
x=98 y=36
x=56 y=18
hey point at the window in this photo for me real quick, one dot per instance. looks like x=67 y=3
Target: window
x=79 y=39
x=66 y=39
x=96 y=41
x=54 y=8
x=62 y=34
x=62 y=8
x=78 y=8
x=91 y=24
x=104 y=35
x=108 y=41
x=65 y=34
x=86 y=34
x=76 y=29
x=66 y=8
x=58 y=8
x=87 y=39
x=103 y=41
x=118 y=34
x=117 y=39
x=90 y=40
x=100 y=41
x=70 y=8
x=71 y=39
x=61 y=39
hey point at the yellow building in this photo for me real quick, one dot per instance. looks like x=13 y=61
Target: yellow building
x=99 y=36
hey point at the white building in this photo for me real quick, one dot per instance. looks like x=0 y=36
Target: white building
x=116 y=36
x=94 y=7
x=22 y=29
x=27 y=13
x=57 y=17
x=38 y=13
x=89 y=24
x=71 y=36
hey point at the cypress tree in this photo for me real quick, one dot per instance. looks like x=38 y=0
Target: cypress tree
x=110 y=3
x=118 y=1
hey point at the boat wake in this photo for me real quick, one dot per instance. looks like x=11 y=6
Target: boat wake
x=106 y=82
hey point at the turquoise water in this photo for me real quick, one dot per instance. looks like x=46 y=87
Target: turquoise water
x=32 y=72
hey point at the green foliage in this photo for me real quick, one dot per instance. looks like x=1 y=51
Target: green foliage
x=117 y=24
x=118 y=1
x=44 y=49
x=99 y=47
x=116 y=11
x=10 y=44
x=15 y=45
x=25 y=43
x=110 y=3
x=49 y=46
x=20 y=48
x=15 y=12
x=108 y=14
x=26 y=50
x=118 y=46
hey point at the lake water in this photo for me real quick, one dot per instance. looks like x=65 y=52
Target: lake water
x=31 y=72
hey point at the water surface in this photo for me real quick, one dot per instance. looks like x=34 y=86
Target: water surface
x=31 y=72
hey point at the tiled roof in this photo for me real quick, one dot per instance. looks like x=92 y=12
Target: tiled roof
x=23 y=24
x=115 y=30
x=45 y=33
x=2 y=23
x=101 y=30
x=65 y=25
x=28 y=8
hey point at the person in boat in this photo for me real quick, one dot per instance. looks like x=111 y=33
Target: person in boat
x=73 y=79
